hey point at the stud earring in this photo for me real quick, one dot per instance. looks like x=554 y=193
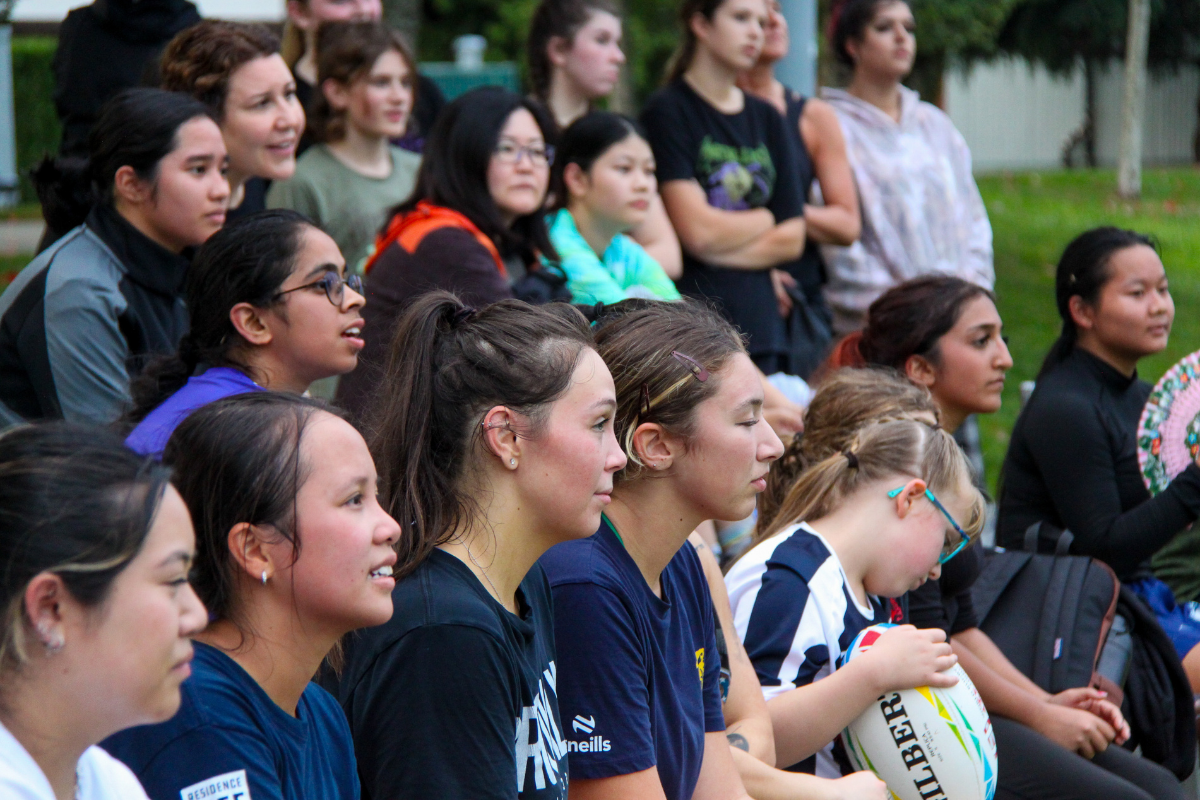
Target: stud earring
x=512 y=462
x=52 y=640
x=264 y=577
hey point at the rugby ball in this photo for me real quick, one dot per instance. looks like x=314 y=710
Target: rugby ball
x=924 y=743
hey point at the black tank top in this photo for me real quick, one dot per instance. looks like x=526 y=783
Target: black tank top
x=809 y=269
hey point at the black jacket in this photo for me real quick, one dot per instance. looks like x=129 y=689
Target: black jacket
x=106 y=47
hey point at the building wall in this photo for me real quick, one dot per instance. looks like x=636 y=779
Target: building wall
x=1017 y=117
x=252 y=10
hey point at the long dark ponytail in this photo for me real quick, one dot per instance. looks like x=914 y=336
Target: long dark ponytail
x=1083 y=271
x=136 y=128
x=244 y=262
x=449 y=364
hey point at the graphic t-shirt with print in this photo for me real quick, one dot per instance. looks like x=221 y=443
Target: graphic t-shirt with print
x=742 y=161
x=796 y=615
x=455 y=697
x=640 y=677
x=230 y=741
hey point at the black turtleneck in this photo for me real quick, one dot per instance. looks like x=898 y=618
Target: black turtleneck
x=1072 y=462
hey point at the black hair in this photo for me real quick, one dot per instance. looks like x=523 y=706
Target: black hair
x=1083 y=271
x=244 y=262
x=237 y=460
x=588 y=138
x=454 y=169
x=849 y=21
x=136 y=128
x=561 y=18
x=75 y=502
x=449 y=365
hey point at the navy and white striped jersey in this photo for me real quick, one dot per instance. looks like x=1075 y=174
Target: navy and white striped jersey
x=796 y=615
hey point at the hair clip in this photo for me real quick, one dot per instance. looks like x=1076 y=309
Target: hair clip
x=645 y=400
x=692 y=364
x=464 y=314
x=851 y=459
x=1071 y=279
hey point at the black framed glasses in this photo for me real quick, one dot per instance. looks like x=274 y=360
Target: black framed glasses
x=334 y=286
x=952 y=547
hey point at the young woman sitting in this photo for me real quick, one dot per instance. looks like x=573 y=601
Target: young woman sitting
x=293 y=553
x=603 y=183
x=235 y=69
x=271 y=308
x=85 y=316
x=95 y=548
x=474 y=225
x=495 y=442
x=349 y=181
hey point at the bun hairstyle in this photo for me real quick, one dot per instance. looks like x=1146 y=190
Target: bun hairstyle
x=449 y=365
x=1082 y=271
x=346 y=52
x=849 y=20
x=908 y=320
x=686 y=50
x=247 y=261
x=664 y=358
x=136 y=128
x=238 y=460
x=454 y=167
x=584 y=141
x=201 y=59
x=845 y=402
x=557 y=18
x=874 y=452
x=74 y=502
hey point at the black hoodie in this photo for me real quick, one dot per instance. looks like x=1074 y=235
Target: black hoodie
x=106 y=47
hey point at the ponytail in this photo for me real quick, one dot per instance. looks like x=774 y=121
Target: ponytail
x=136 y=128
x=682 y=58
x=1083 y=271
x=244 y=262
x=877 y=451
x=557 y=19
x=449 y=365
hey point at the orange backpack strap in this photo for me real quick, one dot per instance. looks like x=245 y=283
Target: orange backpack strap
x=409 y=230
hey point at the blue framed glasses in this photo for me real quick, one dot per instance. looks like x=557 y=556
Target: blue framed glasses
x=949 y=549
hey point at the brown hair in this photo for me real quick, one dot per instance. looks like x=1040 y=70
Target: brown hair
x=449 y=365
x=686 y=51
x=201 y=59
x=346 y=53
x=664 y=358
x=846 y=401
x=908 y=320
x=553 y=18
x=876 y=451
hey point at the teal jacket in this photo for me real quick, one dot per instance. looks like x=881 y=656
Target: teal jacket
x=625 y=271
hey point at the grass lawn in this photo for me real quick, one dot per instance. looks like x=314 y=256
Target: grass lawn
x=1034 y=215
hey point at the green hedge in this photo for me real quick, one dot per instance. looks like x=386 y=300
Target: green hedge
x=33 y=90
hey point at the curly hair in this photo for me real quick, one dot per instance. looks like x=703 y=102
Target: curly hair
x=201 y=59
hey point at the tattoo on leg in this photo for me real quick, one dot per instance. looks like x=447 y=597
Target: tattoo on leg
x=738 y=741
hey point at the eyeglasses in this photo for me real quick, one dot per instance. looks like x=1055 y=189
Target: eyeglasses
x=950 y=548
x=540 y=155
x=334 y=286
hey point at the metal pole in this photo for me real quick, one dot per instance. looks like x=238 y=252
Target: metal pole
x=8 y=137
x=798 y=69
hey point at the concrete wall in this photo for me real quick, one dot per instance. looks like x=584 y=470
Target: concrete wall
x=1017 y=117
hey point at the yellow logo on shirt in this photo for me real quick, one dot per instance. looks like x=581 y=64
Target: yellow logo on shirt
x=700 y=665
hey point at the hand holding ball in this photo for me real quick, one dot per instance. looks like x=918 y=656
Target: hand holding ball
x=927 y=743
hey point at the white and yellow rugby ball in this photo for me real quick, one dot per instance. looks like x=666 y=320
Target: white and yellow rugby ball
x=925 y=743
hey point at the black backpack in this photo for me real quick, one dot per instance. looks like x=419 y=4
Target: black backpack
x=1065 y=621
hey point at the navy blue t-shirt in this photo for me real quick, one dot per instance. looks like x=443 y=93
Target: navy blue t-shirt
x=230 y=741
x=639 y=676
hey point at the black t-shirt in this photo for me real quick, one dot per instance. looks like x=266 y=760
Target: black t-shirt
x=254 y=199
x=452 y=692
x=741 y=161
x=946 y=602
x=809 y=269
x=1072 y=462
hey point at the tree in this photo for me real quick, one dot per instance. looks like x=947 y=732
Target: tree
x=1129 y=166
x=1062 y=34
